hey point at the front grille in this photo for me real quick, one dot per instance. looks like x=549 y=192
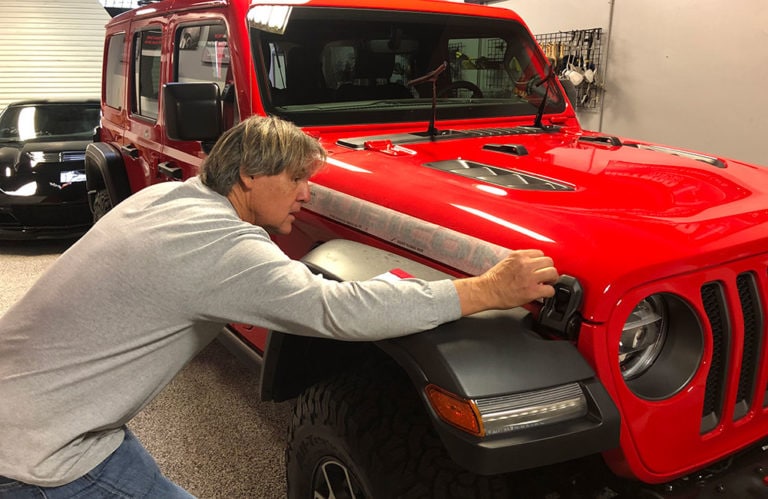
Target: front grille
x=743 y=315
x=58 y=157
x=7 y=220
x=72 y=156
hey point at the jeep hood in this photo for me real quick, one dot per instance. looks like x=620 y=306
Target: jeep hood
x=631 y=210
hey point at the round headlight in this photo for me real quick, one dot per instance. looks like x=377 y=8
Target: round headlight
x=642 y=337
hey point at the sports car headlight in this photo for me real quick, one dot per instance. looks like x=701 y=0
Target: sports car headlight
x=36 y=157
x=643 y=337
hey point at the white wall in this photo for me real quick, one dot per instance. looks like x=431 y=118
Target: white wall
x=688 y=73
x=50 y=49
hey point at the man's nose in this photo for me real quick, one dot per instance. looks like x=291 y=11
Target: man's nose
x=303 y=195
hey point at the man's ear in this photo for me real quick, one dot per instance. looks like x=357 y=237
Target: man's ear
x=245 y=180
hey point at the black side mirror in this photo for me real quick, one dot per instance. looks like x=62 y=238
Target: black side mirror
x=192 y=111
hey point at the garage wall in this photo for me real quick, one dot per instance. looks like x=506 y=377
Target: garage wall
x=688 y=73
x=50 y=49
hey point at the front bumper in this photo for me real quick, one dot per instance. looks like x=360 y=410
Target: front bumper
x=42 y=217
x=743 y=475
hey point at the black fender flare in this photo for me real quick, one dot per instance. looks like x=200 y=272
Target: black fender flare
x=484 y=355
x=104 y=168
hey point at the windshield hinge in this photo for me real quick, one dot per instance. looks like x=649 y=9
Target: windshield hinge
x=560 y=314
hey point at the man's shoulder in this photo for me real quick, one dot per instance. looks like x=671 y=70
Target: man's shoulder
x=192 y=190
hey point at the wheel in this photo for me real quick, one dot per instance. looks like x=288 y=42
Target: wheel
x=477 y=92
x=101 y=204
x=364 y=434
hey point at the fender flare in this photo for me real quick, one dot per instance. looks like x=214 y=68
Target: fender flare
x=104 y=168
x=484 y=355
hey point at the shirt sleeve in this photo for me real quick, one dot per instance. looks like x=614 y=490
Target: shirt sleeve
x=258 y=284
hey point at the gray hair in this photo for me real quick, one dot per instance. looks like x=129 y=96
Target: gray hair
x=260 y=146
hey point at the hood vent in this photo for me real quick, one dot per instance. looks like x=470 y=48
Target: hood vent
x=514 y=149
x=512 y=179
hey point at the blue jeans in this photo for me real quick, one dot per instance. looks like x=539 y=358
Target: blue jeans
x=130 y=472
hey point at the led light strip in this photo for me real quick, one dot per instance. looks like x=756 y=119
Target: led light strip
x=525 y=410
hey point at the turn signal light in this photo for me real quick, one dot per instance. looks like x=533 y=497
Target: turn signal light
x=454 y=410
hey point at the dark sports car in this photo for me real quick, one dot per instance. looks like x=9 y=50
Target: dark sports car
x=42 y=176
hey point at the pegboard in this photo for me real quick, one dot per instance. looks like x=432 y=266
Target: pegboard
x=578 y=58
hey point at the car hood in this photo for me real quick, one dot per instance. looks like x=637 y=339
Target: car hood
x=56 y=146
x=625 y=212
x=10 y=152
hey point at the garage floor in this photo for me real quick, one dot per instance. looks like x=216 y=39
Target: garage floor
x=207 y=430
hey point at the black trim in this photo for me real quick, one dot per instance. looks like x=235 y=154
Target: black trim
x=104 y=167
x=240 y=349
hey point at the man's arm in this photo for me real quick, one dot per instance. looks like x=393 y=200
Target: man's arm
x=520 y=278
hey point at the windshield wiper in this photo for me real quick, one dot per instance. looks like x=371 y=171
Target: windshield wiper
x=431 y=77
x=540 y=112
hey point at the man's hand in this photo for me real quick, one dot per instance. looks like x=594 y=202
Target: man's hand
x=520 y=278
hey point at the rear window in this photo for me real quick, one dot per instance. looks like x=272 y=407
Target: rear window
x=114 y=70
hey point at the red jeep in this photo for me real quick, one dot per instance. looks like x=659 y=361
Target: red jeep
x=450 y=141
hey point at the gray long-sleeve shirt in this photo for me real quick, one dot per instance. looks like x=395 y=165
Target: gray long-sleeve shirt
x=113 y=320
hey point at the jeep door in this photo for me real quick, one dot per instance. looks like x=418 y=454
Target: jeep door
x=142 y=137
x=201 y=54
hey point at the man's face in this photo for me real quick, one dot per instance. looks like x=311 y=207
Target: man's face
x=274 y=200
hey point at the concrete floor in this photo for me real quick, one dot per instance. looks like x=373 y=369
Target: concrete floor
x=207 y=430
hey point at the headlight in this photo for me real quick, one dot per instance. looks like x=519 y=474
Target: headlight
x=642 y=337
x=36 y=157
x=661 y=346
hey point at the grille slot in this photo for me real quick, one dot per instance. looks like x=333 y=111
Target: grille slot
x=750 y=309
x=714 y=305
x=722 y=323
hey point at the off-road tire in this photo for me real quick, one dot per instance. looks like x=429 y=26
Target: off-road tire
x=369 y=423
x=101 y=204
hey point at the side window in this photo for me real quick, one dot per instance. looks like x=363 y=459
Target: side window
x=146 y=72
x=114 y=82
x=203 y=56
x=276 y=64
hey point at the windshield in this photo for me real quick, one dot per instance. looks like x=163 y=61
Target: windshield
x=48 y=122
x=338 y=66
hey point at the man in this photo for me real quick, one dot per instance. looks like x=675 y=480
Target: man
x=120 y=313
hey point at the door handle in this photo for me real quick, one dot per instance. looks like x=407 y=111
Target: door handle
x=130 y=150
x=170 y=170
